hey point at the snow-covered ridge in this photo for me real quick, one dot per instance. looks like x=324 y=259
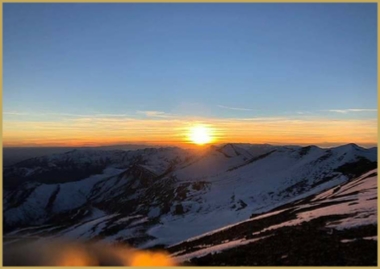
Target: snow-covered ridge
x=179 y=194
x=348 y=206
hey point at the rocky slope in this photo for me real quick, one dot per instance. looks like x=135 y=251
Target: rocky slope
x=159 y=197
x=335 y=227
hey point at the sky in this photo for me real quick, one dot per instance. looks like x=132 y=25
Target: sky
x=101 y=74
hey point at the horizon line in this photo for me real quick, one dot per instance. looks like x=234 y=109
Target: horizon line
x=187 y=144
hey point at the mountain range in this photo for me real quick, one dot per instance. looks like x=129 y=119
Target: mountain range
x=290 y=205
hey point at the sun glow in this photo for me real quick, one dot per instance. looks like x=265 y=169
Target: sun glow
x=200 y=135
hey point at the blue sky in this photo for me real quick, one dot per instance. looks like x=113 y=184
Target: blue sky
x=206 y=60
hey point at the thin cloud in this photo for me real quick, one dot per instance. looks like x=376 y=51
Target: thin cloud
x=344 y=111
x=154 y=114
x=15 y=113
x=303 y=112
x=235 y=108
x=42 y=114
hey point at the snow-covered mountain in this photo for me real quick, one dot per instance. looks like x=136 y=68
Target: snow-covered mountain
x=335 y=227
x=162 y=196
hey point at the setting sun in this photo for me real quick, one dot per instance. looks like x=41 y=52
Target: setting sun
x=200 y=135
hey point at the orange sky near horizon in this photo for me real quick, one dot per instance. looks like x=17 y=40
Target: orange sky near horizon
x=101 y=131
